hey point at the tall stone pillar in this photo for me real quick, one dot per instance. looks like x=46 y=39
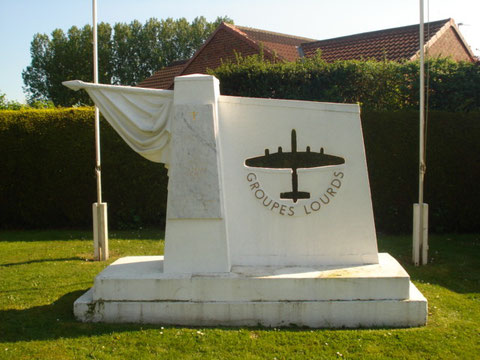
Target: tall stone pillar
x=196 y=236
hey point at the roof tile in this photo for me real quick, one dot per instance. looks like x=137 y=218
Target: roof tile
x=398 y=44
x=283 y=45
x=392 y=44
x=162 y=78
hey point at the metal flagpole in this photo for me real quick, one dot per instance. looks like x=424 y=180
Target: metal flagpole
x=100 y=223
x=420 y=210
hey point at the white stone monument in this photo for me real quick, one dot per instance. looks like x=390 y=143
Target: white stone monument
x=269 y=216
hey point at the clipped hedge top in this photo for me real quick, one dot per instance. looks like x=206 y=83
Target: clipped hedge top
x=375 y=85
x=36 y=118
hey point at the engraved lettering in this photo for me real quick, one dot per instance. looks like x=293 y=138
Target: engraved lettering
x=266 y=198
x=331 y=192
x=336 y=183
x=309 y=207
x=326 y=197
x=315 y=206
x=258 y=192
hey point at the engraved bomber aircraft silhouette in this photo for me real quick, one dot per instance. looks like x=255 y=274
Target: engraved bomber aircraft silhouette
x=294 y=160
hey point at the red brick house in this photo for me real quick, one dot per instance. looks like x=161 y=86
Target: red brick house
x=225 y=41
x=442 y=38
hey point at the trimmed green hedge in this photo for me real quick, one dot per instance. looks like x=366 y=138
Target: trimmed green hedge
x=375 y=85
x=451 y=181
x=48 y=180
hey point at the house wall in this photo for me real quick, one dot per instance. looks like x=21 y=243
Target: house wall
x=221 y=46
x=449 y=45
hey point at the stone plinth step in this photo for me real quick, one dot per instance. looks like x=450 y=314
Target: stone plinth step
x=135 y=289
x=315 y=314
x=142 y=279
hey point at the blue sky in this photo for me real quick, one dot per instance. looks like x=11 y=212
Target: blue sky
x=317 y=19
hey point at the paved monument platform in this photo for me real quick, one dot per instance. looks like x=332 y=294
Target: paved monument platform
x=135 y=289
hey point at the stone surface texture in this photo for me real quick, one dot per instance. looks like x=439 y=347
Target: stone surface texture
x=196 y=245
x=194 y=187
x=140 y=116
x=196 y=229
x=335 y=225
x=127 y=276
x=135 y=289
x=318 y=314
x=100 y=231
x=238 y=249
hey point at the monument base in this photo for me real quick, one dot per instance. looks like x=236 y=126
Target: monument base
x=136 y=290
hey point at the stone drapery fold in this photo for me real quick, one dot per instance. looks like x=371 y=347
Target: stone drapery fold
x=140 y=116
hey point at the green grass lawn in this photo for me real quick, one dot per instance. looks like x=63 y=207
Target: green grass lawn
x=43 y=272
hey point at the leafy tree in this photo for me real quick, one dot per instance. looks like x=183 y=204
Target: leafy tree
x=6 y=104
x=140 y=50
x=65 y=57
x=128 y=53
x=41 y=104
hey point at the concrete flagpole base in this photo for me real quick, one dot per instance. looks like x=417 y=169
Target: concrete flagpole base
x=420 y=237
x=100 y=231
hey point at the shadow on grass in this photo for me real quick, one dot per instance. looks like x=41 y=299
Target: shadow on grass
x=44 y=235
x=454 y=260
x=42 y=261
x=65 y=235
x=56 y=321
x=53 y=321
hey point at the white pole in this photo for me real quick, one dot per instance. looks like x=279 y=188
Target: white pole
x=100 y=228
x=97 y=113
x=420 y=223
x=422 y=107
